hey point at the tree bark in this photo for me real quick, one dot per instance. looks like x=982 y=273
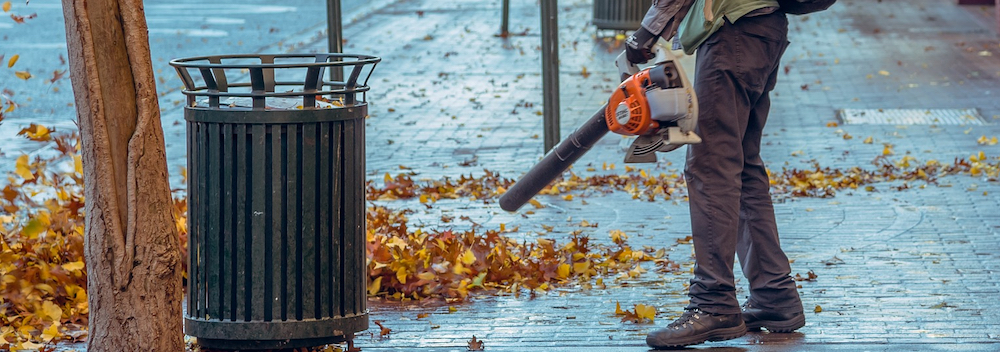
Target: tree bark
x=132 y=248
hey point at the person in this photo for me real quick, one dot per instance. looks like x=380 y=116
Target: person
x=739 y=45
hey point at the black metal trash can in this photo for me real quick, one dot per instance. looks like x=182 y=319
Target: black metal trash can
x=276 y=226
x=624 y=15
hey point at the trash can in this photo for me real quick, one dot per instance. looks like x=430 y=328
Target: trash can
x=276 y=214
x=623 y=15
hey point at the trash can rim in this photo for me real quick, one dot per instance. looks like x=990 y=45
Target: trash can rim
x=202 y=91
x=197 y=61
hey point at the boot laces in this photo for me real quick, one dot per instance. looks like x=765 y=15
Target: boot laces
x=687 y=318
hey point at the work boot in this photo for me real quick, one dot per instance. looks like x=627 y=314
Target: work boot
x=696 y=326
x=772 y=320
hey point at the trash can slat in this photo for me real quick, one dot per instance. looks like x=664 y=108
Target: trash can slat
x=309 y=233
x=257 y=240
x=336 y=228
x=277 y=213
x=240 y=271
x=192 y=218
x=213 y=237
x=227 y=264
x=293 y=250
x=323 y=218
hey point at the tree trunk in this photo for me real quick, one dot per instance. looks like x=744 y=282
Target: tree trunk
x=132 y=248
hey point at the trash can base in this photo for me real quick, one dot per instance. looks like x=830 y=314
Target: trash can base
x=254 y=332
x=267 y=344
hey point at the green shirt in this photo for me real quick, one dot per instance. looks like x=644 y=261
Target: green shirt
x=698 y=25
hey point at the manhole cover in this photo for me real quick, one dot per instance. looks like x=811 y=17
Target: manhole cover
x=911 y=117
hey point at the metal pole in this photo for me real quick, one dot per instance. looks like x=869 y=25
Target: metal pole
x=550 y=72
x=335 y=35
x=504 y=22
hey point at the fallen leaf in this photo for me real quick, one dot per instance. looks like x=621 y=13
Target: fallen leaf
x=384 y=330
x=6 y=6
x=475 y=345
x=57 y=75
x=13 y=59
x=644 y=311
x=817 y=309
x=22 y=168
x=37 y=133
x=23 y=75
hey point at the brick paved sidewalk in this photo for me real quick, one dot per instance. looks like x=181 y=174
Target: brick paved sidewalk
x=915 y=269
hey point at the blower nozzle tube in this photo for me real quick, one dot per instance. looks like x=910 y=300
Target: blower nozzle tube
x=555 y=162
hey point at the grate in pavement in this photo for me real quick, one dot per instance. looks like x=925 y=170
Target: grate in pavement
x=911 y=117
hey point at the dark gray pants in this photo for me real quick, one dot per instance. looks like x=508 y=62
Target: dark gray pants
x=730 y=198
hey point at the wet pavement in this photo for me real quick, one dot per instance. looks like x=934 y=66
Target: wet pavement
x=913 y=269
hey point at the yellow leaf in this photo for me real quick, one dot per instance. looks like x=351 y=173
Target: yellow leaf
x=28 y=345
x=423 y=198
x=883 y=72
x=36 y=133
x=868 y=140
x=644 y=311
x=468 y=257
x=887 y=150
x=375 y=286
x=618 y=308
x=459 y=269
x=581 y=268
x=51 y=311
x=536 y=204
x=563 y=271
x=818 y=309
x=401 y=275
x=78 y=165
x=21 y=168
x=46 y=288
x=73 y=266
x=568 y=197
x=51 y=332
x=22 y=75
x=13 y=59
x=33 y=228
x=452 y=309
x=427 y=275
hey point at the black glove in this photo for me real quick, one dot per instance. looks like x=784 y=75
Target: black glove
x=638 y=46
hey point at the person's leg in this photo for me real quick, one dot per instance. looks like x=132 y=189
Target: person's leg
x=774 y=301
x=764 y=263
x=713 y=171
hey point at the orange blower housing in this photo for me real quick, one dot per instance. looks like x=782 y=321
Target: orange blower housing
x=628 y=112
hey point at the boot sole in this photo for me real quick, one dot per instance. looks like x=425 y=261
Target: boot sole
x=779 y=326
x=714 y=335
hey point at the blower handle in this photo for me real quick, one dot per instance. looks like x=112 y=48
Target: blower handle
x=628 y=69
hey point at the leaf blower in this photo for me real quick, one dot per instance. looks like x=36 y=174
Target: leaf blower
x=656 y=104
